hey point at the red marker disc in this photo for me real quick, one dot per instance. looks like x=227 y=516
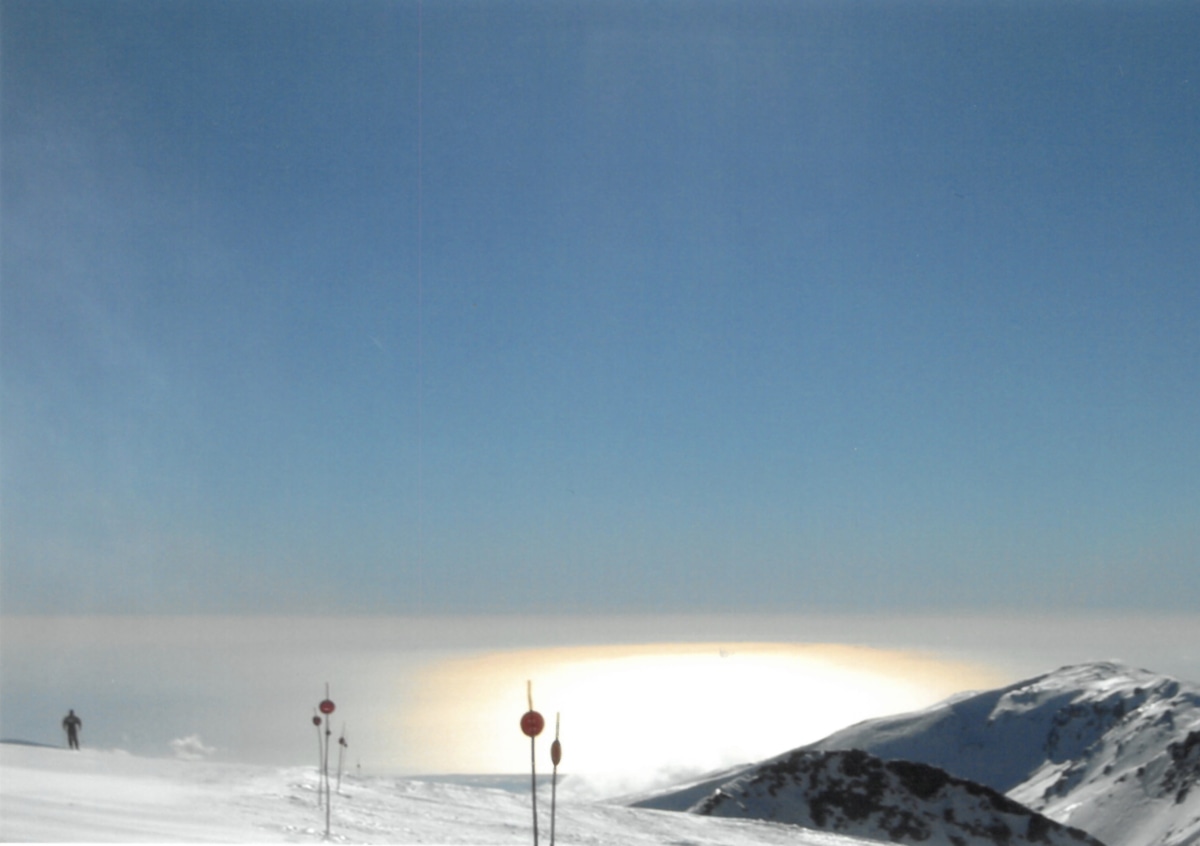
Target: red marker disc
x=327 y=706
x=555 y=752
x=532 y=724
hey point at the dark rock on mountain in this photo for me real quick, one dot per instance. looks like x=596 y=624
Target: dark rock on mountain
x=899 y=801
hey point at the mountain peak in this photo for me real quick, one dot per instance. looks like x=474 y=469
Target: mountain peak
x=1101 y=747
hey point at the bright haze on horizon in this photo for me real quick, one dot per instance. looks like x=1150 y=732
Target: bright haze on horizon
x=378 y=309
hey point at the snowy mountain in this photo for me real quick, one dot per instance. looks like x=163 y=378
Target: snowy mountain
x=857 y=794
x=1100 y=747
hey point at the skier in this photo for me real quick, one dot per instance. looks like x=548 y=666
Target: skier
x=72 y=724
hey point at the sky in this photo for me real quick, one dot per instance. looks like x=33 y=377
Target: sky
x=385 y=308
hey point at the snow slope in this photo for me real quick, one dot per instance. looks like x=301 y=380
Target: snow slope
x=95 y=796
x=1100 y=747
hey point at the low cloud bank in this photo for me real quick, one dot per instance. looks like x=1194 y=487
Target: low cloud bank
x=191 y=748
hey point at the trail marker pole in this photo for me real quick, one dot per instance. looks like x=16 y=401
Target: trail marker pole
x=327 y=708
x=555 y=757
x=341 y=750
x=532 y=724
x=320 y=760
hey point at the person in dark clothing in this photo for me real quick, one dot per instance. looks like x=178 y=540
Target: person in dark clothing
x=72 y=724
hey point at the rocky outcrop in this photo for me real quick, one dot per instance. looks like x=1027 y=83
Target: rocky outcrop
x=857 y=794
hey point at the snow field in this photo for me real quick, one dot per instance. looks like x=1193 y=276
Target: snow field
x=98 y=796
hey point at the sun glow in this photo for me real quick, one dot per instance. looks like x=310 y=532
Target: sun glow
x=665 y=708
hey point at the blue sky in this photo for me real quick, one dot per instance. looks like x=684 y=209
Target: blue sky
x=372 y=308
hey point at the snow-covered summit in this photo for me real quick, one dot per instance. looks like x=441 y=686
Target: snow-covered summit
x=1003 y=737
x=1103 y=747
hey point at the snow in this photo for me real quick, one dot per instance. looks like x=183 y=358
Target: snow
x=49 y=794
x=1101 y=747
x=854 y=793
x=1108 y=750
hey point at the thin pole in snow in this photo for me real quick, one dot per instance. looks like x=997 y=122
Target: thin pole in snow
x=320 y=759
x=328 y=798
x=533 y=762
x=555 y=757
x=532 y=724
x=341 y=752
x=327 y=708
x=533 y=786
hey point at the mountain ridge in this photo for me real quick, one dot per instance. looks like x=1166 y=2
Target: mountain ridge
x=1101 y=747
x=854 y=793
